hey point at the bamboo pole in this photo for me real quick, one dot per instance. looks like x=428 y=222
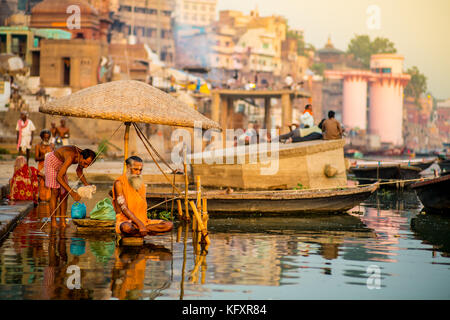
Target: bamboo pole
x=180 y=209
x=126 y=138
x=200 y=222
x=205 y=216
x=199 y=203
x=186 y=188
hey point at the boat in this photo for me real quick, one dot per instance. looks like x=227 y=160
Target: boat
x=445 y=165
x=274 y=202
x=434 y=193
x=365 y=174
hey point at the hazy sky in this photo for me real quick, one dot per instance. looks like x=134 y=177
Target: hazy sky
x=420 y=29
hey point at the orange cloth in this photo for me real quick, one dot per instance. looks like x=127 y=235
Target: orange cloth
x=309 y=111
x=136 y=202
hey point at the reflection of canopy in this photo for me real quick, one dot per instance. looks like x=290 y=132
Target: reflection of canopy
x=11 y=64
x=128 y=101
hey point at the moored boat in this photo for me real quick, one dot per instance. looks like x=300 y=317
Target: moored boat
x=276 y=202
x=434 y=193
x=366 y=174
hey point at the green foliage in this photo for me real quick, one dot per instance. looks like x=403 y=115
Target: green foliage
x=302 y=46
x=361 y=47
x=4 y=151
x=162 y=215
x=318 y=68
x=103 y=146
x=299 y=186
x=417 y=85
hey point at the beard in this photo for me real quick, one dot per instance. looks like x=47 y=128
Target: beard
x=135 y=180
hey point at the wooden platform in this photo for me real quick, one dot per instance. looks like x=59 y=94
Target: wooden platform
x=94 y=226
x=302 y=162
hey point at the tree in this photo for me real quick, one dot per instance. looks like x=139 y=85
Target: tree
x=302 y=46
x=318 y=68
x=417 y=85
x=361 y=47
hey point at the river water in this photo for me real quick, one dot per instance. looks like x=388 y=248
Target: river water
x=383 y=249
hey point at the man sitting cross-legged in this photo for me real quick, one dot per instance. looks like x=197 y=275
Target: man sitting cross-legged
x=130 y=204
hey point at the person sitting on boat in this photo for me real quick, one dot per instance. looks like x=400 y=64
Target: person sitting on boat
x=56 y=164
x=307 y=119
x=300 y=134
x=331 y=128
x=130 y=204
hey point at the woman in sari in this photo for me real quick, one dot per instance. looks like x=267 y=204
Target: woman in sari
x=24 y=183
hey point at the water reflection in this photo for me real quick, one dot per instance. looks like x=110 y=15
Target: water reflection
x=248 y=258
x=433 y=230
x=274 y=252
x=136 y=266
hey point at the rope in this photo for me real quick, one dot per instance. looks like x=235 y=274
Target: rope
x=153 y=149
x=157 y=205
x=154 y=160
x=71 y=189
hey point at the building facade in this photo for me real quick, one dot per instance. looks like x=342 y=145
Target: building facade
x=199 y=13
x=148 y=22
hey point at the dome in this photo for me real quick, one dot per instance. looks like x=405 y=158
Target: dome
x=60 y=6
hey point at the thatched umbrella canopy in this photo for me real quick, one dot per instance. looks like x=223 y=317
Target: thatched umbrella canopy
x=128 y=101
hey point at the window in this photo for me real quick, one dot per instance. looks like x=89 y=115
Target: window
x=386 y=70
x=265 y=45
x=125 y=8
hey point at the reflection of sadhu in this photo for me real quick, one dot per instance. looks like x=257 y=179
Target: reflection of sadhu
x=128 y=274
x=130 y=203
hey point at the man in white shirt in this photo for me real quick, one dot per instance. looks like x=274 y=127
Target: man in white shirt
x=25 y=131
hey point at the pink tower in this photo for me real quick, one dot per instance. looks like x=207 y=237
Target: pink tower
x=354 y=98
x=386 y=97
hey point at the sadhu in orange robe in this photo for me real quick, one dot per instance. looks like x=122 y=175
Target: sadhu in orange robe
x=136 y=203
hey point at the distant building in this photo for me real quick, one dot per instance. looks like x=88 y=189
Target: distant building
x=25 y=43
x=199 y=13
x=386 y=82
x=443 y=119
x=147 y=22
x=71 y=63
x=52 y=14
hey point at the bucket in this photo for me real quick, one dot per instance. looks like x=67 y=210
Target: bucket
x=78 y=210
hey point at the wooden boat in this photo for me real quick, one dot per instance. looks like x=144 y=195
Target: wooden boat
x=445 y=165
x=370 y=173
x=275 y=202
x=434 y=193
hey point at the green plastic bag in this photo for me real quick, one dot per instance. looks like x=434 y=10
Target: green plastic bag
x=103 y=250
x=103 y=210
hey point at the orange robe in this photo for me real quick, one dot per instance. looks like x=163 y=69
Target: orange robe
x=136 y=202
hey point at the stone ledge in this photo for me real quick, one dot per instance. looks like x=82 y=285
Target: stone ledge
x=11 y=214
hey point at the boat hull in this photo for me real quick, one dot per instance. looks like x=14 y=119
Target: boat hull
x=366 y=175
x=434 y=194
x=277 y=202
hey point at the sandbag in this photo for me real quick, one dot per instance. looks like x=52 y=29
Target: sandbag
x=103 y=210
